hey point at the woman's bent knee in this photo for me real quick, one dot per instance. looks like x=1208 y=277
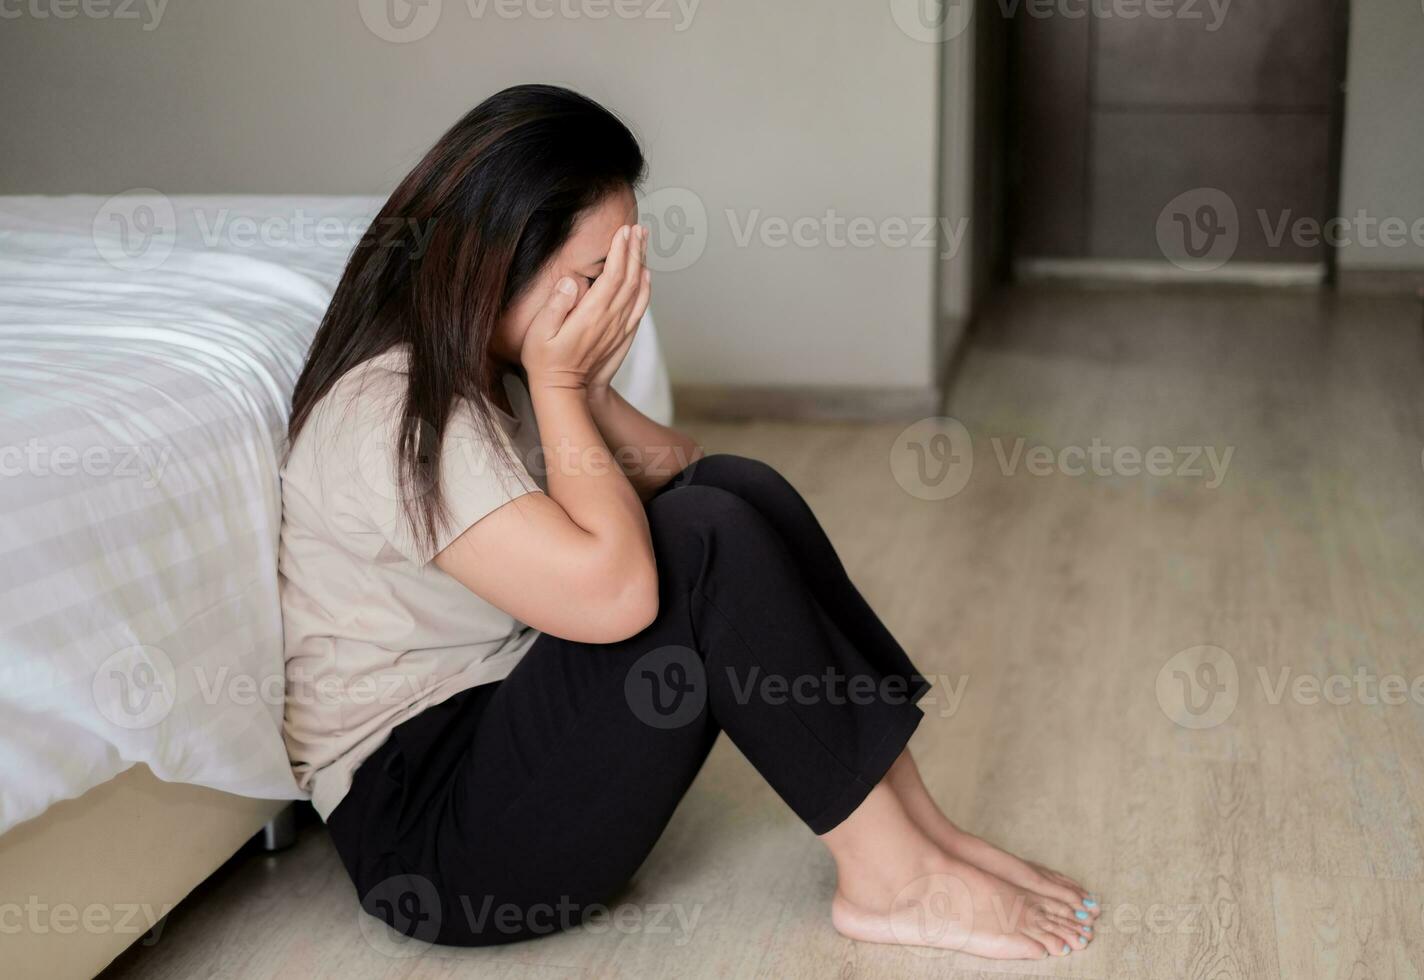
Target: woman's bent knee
x=699 y=507
x=733 y=472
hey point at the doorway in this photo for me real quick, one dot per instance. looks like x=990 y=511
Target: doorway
x=1167 y=139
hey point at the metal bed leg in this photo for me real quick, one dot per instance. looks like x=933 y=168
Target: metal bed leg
x=280 y=832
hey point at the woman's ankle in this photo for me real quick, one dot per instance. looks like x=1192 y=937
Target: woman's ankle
x=904 y=777
x=879 y=849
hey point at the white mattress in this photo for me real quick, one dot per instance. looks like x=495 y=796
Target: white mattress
x=144 y=387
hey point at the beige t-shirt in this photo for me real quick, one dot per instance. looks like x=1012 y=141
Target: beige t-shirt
x=375 y=632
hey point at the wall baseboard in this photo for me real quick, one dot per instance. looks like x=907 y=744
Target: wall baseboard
x=1130 y=271
x=1401 y=282
x=805 y=403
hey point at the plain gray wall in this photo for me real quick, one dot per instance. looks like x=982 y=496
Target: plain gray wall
x=1382 y=170
x=776 y=111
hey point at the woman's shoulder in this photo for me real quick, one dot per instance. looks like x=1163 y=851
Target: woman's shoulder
x=381 y=377
x=359 y=408
x=368 y=393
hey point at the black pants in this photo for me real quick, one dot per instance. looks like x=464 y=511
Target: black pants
x=510 y=809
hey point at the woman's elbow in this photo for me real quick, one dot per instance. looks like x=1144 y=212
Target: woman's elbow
x=638 y=615
x=616 y=604
x=635 y=606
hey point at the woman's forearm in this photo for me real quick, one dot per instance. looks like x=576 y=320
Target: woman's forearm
x=649 y=454
x=583 y=477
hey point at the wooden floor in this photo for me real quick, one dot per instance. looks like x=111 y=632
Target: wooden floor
x=1234 y=826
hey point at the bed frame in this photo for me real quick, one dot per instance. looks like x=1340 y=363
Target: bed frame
x=119 y=856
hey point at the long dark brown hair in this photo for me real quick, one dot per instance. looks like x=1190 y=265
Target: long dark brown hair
x=459 y=240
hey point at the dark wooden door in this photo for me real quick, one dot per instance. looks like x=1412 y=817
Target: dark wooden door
x=1140 y=126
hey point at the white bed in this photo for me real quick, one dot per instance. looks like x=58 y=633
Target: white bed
x=148 y=348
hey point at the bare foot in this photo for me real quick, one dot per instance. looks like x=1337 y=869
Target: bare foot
x=910 y=788
x=957 y=906
x=1025 y=874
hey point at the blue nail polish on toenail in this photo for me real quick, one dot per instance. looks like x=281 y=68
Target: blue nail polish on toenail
x=1087 y=928
x=1066 y=949
x=1080 y=913
x=1091 y=903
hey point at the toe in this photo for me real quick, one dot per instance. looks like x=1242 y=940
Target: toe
x=1082 y=900
x=1055 y=944
x=1065 y=929
x=1054 y=906
x=1071 y=898
x=1072 y=931
x=1067 y=890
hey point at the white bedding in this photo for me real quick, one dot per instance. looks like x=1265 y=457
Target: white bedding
x=144 y=385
